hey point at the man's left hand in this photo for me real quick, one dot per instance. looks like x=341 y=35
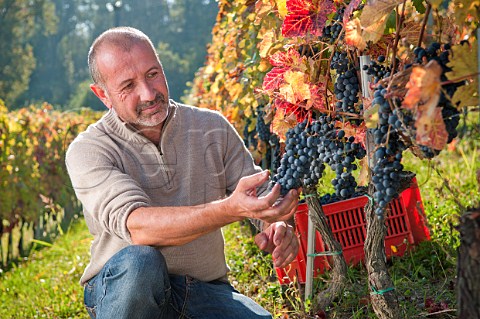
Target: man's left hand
x=280 y=240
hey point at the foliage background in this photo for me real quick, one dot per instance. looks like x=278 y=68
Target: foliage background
x=44 y=45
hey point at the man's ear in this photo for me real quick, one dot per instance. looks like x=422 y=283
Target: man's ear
x=101 y=94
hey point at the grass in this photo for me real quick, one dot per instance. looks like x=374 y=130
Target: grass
x=46 y=285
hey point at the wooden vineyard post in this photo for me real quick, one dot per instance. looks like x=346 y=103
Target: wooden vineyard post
x=382 y=294
x=468 y=266
x=338 y=273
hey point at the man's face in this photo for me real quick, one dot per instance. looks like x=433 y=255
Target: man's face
x=134 y=85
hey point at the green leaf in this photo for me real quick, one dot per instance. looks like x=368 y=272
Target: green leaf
x=371 y=116
x=419 y=6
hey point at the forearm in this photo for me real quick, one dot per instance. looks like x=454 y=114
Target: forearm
x=172 y=226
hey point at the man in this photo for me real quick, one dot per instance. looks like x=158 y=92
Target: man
x=157 y=181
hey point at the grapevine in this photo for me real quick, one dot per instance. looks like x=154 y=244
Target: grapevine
x=324 y=110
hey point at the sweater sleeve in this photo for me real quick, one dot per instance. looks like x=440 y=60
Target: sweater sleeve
x=107 y=194
x=239 y=163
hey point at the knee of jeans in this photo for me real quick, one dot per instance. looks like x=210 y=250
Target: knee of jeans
x=144 y=264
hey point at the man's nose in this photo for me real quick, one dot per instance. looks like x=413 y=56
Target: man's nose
x=147 y=92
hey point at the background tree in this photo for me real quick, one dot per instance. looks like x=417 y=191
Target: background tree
x=21 y=21
x=44 y=44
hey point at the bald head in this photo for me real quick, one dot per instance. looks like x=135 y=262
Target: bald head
x=122 y=37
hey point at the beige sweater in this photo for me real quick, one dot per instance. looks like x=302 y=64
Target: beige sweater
x=115 y=170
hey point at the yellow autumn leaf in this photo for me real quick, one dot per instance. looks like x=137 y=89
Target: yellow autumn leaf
x=235 y=90
x=374 y=18
x=281 y=124
x=282 y=8
x=266 y=43
x=436 y=3
x=462 y=61
x=371 y=116
x=295 y=89
x=264 y=66
x=466 y=95
x=431 y=130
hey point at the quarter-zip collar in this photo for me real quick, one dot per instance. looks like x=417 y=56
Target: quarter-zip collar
x=129 y=133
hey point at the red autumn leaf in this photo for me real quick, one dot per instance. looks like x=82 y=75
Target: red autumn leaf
x=300 y=112
x=274 y=78
x=431 y=130
x=306 y=16
x=285 y=59
x=317 y=100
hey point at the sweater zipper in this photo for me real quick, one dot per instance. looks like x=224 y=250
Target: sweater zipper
x=161 y=159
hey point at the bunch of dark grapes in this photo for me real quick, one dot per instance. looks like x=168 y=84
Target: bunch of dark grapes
x=309 y=148
x=346 y=86
x=308 y=50
x=262 y=129
x=387 y=169
x=295 y=168
x=377 y=69
x=274 y=152
x=332 y=32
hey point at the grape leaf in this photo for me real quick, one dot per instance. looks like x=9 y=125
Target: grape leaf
x=317 y=101
x=424 y=86
x=274 y=78
x=463 y=61
x=281 y=123
x=294 y=90
x=466 y=95
x=282 y=8
x=306 y=17
x=353 y=34
x=364 y=175
x=374 y=18
x=371 y=116
x=431 y=130
x=266 y=43
x=419 y=6
x=289 y=58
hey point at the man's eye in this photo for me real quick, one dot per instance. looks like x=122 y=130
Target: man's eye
x=128 y=86
x=152 y=75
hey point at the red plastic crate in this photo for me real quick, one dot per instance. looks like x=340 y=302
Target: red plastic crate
x=406 y=225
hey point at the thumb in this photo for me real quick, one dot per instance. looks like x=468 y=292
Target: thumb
x=261 y=240
x=249 y=182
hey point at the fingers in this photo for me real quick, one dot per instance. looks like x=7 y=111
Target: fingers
x=261 y=240
x=287 y=250
x=281 y=211
x=250 y=182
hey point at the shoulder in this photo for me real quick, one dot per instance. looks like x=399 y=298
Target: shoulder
x=96 y=137
x=200 y=115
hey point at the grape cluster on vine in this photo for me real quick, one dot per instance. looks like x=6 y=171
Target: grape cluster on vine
x=331 y=32
x=346 y=86
x=311 y=146
x=387 y=167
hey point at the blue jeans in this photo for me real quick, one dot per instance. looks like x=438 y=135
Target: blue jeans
x=134 y=283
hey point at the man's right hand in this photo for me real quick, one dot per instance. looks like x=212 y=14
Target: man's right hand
x=269 y=208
